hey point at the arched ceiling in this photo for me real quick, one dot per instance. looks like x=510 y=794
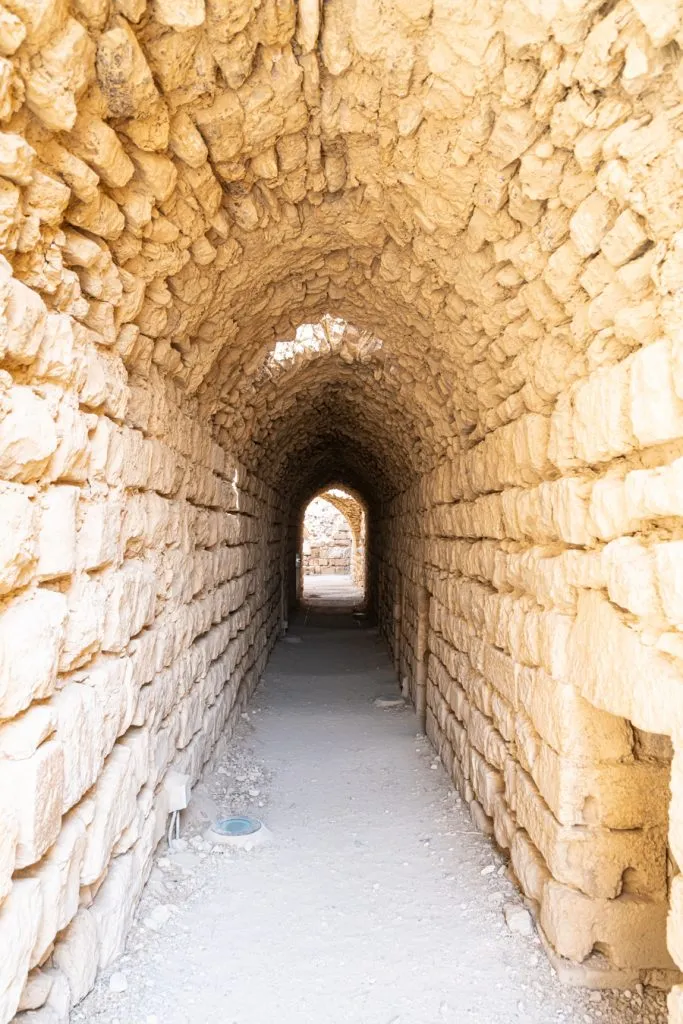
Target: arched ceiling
x=211 y=175
x=341 y=390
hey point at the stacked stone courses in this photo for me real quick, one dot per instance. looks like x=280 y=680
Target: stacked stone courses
x=478 y=207
x=327 y=540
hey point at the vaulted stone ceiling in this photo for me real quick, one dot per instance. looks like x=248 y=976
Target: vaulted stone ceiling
x=217 y=174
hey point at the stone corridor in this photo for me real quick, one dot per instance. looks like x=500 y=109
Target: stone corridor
x=428 y=252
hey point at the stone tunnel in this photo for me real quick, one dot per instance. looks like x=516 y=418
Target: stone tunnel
x=428 y=251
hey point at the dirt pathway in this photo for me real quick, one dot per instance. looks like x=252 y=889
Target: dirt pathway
x=376 y=903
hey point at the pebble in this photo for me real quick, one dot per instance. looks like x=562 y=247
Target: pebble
x=488 y=870
x=118 y=982
x=159 y=916
x=518 y=919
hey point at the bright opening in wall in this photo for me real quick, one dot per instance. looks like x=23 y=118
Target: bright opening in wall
x=333 y=548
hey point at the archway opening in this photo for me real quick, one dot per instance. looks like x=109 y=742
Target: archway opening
x=332 y=559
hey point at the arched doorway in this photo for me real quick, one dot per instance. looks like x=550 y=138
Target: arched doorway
x=332 y=548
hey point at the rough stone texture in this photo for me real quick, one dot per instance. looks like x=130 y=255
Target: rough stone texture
x=328 y=541
x=474 y=211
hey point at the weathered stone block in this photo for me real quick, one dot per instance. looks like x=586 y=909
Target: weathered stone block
x=31 y=636
x=632 y=929
x=19 y=920
x=57 y=536
x=76 y=954
x=592 y=859
x=18 y=537
x=35 y=786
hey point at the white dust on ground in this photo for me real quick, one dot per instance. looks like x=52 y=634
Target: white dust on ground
x=377 y=901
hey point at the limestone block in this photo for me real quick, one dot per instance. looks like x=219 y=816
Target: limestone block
x=632 y=929
x=615 y=671
x=592 y=860
x=58 y=1004
x=568 y=723
x=656 y=409
x=98 y=145
x=59 y=876
x=308 y=24
x=8 y=846
x=116 y=685
x=98 y=214
x=114 y=907
x=35 y=786
x=36 y=990
x=123 y=73
x=626 y=239
x=528 y=865
x=115 y=804
x=631 y=576
x=18 y=515
x=486 y=781
x=21 y=736
x=179 y=16
x=55 y=359
x=600 y=424
x=84 y=628
x=128 y=456
x=31 y=635
x=591 y=222
x=650 y=493
x=659 y=19
x=76 y=954
x=668 y=558
x=186 y=142
x=19 y=918
x=57 y=536
x=130 y=603
x=155 y=172
x=675 y=1004
x=618 y=796
x=104 y=383
x=116 y=900
x=27 y=436
x=80 y=724
x=98 y=532
x=24 y=320
x=16 y=158
x=221 y=127
x=63 y=72
x=609 y=508
x=70 y=462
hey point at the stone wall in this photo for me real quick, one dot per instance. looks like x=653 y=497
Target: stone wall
x=354 y=510
x=328 y=542
x=138 y=610
x=547 y=654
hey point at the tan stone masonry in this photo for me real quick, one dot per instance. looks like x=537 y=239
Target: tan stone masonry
x=475 y=212
x=327 y=540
